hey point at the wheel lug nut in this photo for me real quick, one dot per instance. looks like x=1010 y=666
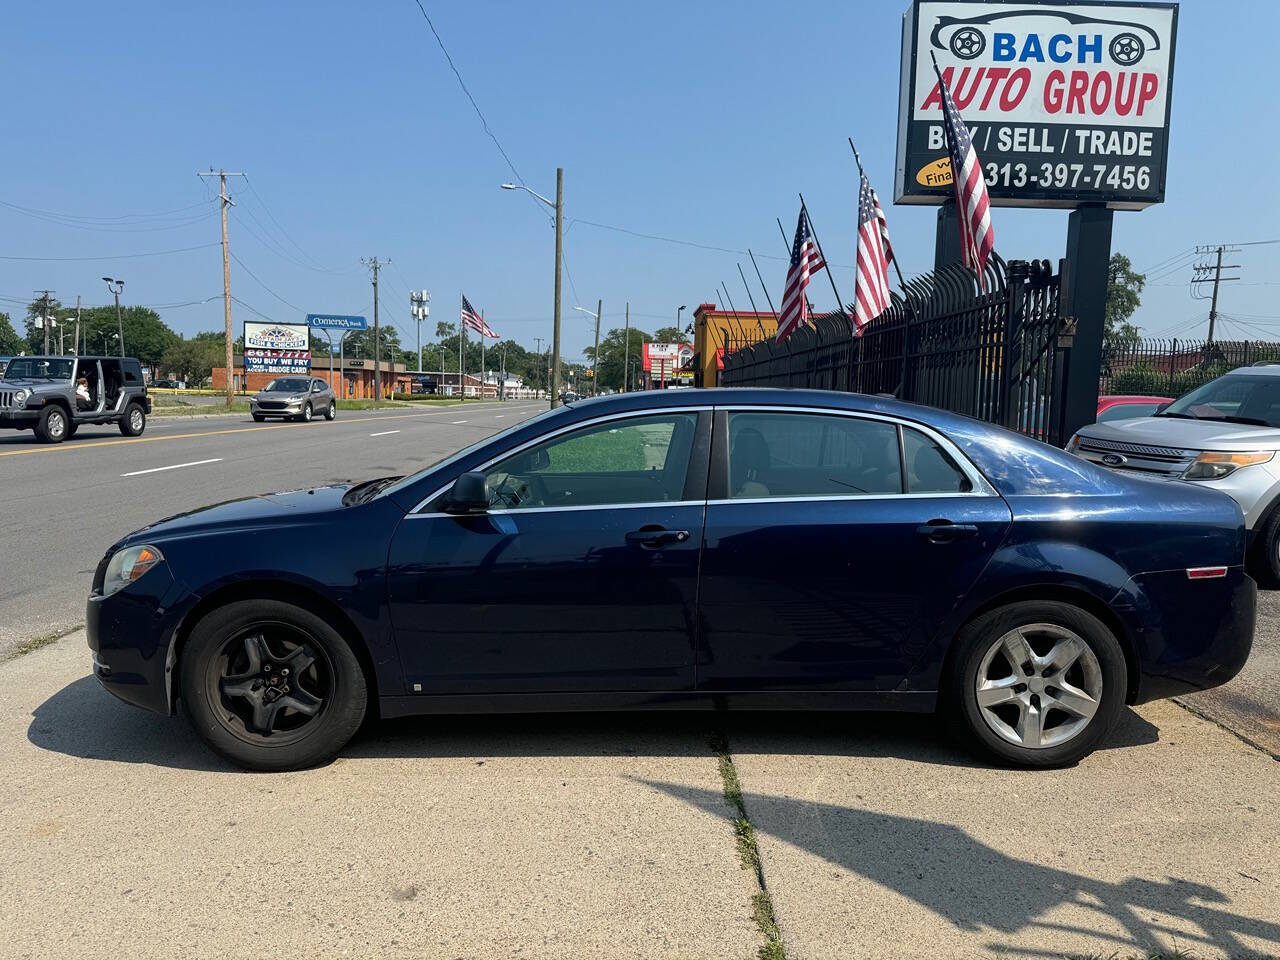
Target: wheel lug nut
x=284 y=671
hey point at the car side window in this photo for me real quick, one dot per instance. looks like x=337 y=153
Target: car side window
x=930 y=469
x=132 y=373
x=637 y=460
x=811 y=454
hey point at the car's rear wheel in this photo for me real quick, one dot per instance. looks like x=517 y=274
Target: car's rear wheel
x=134 y=421
x=1037 y=683
x=331 y=411
x=271 y=686
x=53 y=423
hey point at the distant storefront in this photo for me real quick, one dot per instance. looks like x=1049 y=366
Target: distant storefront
x=351 y=378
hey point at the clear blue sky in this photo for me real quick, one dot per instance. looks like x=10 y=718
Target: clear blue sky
x=693 y=121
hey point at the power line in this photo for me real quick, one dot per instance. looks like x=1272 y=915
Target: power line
x=280 y=226
x=262 y=284
x=117 y=256
x=136 y=217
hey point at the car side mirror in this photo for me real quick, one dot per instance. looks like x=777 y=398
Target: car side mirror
x=469 y=494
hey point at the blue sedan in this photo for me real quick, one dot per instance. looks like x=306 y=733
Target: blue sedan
x=714 y=549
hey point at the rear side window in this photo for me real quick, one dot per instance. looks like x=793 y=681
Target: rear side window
x=930 y=469
x=803 y=454
x=132 y=373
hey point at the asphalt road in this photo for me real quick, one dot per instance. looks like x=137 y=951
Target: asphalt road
x=62 y=505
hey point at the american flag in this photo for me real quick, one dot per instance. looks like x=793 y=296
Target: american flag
x=805 y=260
x=977 y=239
x=476 y=322
x=871 y=287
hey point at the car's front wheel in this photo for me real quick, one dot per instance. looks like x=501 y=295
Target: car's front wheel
x=307 y=413
x=331 y=411
x=52 y=425
x=1037 y=683
x=271 y=686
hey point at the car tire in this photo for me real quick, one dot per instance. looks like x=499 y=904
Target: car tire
x=1266 y=552
x=331 y=411
x=258 y=418
x=134 y=420
x=1049 y=717
x=307 y=413
x=219 y=684
x=52 y=425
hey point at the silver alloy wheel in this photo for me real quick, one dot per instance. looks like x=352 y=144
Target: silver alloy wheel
x=135 y=420
x=306 y=412
x=57 y=424
x=1038 y=686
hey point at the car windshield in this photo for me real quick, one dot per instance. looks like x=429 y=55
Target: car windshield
x=287 y=385
x=464 y=452
x=39 y=368
x=1239 y=398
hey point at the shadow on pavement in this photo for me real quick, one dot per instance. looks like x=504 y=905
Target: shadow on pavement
x=981 y=889
x=83 y=720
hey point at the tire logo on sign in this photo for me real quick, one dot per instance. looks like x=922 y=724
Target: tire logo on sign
x=1114 y=460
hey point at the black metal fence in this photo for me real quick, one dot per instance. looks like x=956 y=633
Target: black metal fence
x=1000 y=355
x=1171 y=368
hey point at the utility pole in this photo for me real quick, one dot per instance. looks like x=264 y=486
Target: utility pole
x=1203 y=272
x=44 y=319
x=76 y=345
x=418 y=300
x=626 y=349
x=373 y=264
x=226 y=280
x=595 y=357
x=555 y=343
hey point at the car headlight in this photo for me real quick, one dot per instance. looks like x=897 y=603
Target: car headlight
x=1073 y=444
x=20 y=397
x=1215 y=466
x=128 y=565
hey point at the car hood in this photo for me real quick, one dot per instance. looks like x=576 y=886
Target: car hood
x=26 y=384
x=1186 y=434
x=265 y=510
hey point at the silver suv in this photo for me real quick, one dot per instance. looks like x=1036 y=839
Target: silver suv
x=1224 y=435
x=294 y=398
x=55 y=396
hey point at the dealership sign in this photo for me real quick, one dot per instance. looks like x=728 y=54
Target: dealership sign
x=277 y=348
x=1067 y=103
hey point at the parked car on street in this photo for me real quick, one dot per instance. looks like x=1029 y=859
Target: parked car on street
x=55 y=396
x=1127 y=406
x=1223 y=436
x=294 y=398
x=707 y=549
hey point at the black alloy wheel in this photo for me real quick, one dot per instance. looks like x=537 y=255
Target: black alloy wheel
x=271 y=686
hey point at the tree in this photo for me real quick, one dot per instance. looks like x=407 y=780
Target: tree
x=613 y=350
x=193 y=360
x=10 y=342
x=145 y=335
x=1124 y=295
x=670 y=335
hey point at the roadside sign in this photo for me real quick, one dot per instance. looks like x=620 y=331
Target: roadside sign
x=277 y=348
x=1068 y=103
x=336 y=321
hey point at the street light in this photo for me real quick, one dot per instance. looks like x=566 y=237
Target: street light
x=117 y=288
x=107 y=336
x=678 y=312
x=558 y=206
x=595 y=357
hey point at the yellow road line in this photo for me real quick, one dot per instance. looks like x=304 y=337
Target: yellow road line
x=64 y=448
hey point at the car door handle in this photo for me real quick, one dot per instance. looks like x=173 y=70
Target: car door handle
x=654 y=537
x=944 y=531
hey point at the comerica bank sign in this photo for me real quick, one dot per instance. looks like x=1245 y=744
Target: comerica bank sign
x=1067 y=103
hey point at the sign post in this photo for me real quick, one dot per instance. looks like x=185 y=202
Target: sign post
x=328 y=322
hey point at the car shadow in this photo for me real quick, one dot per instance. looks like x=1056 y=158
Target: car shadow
x=82 y=720
x=977 y=888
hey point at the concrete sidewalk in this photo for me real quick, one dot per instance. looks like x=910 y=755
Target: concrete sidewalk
x=483 y=837
x=874 y=832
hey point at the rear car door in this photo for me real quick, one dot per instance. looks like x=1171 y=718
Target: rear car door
x=835 y=546
x=582 y=576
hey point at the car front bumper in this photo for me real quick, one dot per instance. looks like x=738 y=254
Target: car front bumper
x=23 y=419
x=132 y=637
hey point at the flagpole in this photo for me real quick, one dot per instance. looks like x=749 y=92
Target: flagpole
x=482 y=338
x=754 y=309
x=762 y=284
x=737 y=319
x=462 y=341
x=825 y=264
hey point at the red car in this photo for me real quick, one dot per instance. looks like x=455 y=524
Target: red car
x=1126 y=407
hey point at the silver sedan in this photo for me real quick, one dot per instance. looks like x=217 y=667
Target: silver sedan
x=294 y=398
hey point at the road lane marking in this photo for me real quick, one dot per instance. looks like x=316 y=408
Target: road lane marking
x=456 y=422
x=498 y=416
x=384 y=433
x=174 y=466
x=68 y=447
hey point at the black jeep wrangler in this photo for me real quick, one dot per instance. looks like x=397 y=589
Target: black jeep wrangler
x=55 y=396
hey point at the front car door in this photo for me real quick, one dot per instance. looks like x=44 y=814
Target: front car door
x=582 y=576
x=835 y=546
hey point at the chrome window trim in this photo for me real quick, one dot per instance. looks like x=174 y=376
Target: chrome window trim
x=981 y=488
x=652 y=504
x=568 y=428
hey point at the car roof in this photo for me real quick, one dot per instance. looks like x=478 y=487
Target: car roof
x=1263 y=368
